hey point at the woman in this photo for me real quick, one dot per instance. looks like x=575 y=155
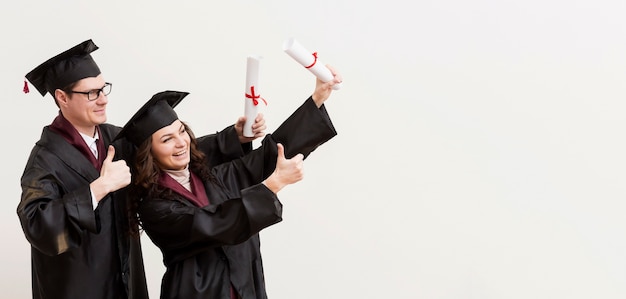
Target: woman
x=206 y=220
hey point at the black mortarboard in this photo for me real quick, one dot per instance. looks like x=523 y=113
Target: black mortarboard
x=155 y=114
x=65 y=68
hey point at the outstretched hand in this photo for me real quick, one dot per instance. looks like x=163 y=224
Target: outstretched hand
x=324 y=89
x=258 y=128
x=287 y=171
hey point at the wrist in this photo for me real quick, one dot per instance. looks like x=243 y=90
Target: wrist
x=99 y=189
x=273 y=184
x=317 y=100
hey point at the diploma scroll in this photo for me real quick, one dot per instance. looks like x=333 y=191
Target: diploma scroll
x=253 y=97
x=309 y=60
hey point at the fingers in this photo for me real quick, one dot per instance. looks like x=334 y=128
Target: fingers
x=298 y=167
x=281 y=151
x=110 y=154
x=259 y=122
x=259 y=118
x=337 y=77
x=240 y=122
x=114 y=174
x=258 y=128
x=259 y=131
x=332 y=69
x=287 y=171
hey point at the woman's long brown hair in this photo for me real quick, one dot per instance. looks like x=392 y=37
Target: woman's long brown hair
x=145 y=172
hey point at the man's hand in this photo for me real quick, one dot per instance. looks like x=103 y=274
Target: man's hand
x=114 y=175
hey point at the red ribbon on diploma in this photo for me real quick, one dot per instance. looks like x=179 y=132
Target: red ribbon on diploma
x=254 y=97
x=314 y=61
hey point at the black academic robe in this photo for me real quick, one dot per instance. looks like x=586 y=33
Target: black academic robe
x=208 y=249
x=77 y=252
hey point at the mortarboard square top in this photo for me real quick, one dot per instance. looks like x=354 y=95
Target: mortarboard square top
x=155 y=114
x=68 y=67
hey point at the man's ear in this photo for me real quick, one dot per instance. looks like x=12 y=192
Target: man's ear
x=61 y=97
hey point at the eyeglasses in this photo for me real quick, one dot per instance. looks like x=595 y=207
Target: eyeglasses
x=94 y=94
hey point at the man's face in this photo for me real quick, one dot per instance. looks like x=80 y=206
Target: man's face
x=83 y=113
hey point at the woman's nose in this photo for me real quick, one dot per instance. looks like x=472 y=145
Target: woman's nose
x=180 y=141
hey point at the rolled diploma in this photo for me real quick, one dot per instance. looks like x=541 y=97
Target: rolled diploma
x=252 y=79
x=305 y=57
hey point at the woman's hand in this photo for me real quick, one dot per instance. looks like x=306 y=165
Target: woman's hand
x=287 y=172
x=323 y=90
x=258 y=128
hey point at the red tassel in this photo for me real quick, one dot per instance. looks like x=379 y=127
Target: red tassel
x=26 y=90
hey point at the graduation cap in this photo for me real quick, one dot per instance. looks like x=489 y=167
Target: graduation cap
x=155 y=114
x=64 y=69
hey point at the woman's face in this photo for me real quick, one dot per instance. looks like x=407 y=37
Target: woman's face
x=170 y=146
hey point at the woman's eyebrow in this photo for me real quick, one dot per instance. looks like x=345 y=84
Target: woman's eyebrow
x=165 y=135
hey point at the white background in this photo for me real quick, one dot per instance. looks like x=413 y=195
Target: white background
x=480 y=151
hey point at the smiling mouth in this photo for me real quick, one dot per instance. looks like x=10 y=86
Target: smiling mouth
x=180 y=153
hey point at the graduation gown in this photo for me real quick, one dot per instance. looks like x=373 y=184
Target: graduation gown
x=206 y=249
x=77 y=252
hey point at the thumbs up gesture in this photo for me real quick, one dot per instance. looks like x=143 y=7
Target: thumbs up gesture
x=114 y=175
x=287 y=171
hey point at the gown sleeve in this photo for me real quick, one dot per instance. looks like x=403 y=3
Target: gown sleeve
x=303 y=132
x=53 y=220
x=223 y=146
x=305 y=129
x=180 y=229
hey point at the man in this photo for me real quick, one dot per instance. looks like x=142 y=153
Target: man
x=73 y=205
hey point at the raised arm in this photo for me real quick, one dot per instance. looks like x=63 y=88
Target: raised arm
x=230 y=144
